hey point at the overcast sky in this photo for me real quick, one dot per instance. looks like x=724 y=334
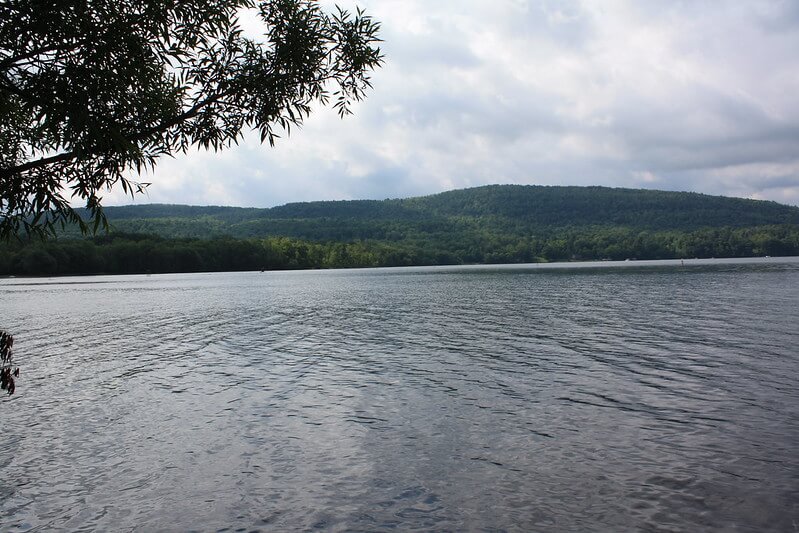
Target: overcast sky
x=679 y=95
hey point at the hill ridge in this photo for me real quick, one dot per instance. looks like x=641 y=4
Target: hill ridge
x=443 y=193
x=526 y=208
x=488 y=224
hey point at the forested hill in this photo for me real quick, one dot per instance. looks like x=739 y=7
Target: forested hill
x=493 y=224
x=507 y=209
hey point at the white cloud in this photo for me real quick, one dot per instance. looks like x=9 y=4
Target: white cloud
x=673 y=95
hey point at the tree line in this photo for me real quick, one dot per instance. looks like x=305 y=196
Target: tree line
x=120 y=253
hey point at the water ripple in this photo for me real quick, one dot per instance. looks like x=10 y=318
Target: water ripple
x=651 y=398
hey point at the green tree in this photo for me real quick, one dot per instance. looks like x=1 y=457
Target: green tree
x=35 y=261
x=92 y=93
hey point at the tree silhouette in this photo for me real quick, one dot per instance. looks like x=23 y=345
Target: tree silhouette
x=7 y=371
x=92 y=93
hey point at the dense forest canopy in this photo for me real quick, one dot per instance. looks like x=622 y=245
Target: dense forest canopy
x=504 y=207
x=492 y=224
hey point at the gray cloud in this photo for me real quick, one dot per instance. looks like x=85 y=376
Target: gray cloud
x=686 y=95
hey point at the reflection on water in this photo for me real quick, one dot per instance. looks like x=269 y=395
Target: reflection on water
x=652 y=397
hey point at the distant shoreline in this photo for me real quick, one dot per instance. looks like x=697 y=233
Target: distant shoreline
x=559 y=265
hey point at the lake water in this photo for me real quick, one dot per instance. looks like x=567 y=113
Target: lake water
x=593 y=397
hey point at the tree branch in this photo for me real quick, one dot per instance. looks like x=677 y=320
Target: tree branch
x=65 y=156
x=9 y=61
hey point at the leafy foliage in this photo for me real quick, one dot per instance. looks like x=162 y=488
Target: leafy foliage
x=93 y=91
x=7 y=371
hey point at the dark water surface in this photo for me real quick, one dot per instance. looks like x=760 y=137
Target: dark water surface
x=627 y=397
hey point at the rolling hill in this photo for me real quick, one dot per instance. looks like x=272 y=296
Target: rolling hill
x=508 y=209
x=492 y=224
